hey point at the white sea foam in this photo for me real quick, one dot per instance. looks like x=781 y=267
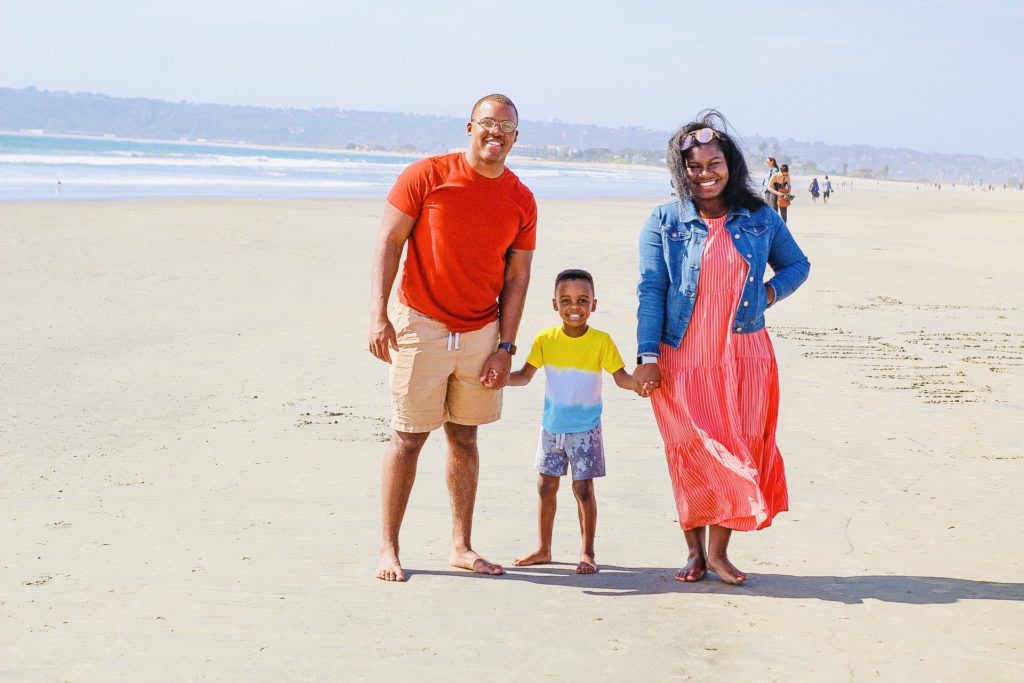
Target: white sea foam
x=69 y=181
x=105 y=169
x=199 y=161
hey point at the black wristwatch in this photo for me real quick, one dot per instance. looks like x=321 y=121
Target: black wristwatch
x=508 y=346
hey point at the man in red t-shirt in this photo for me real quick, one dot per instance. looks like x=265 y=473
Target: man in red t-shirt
x=470 y=226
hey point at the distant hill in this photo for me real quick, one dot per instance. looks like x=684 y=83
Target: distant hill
x=95 y=114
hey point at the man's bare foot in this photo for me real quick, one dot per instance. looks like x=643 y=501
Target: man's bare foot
x=474 y=563
x=726 y=571
x=695 y=570
x=586 y=565
x=536 y=557
x=389 y=569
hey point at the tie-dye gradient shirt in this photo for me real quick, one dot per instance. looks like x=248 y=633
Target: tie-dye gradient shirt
x=572 y=365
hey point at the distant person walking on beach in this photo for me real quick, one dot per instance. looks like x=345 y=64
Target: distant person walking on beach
x=814 y=189
x=769 y=198
x=470 y=226
x=700 y=333
x=781 y=187
x=826 y=190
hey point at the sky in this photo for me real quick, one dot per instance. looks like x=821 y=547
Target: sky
x=930 y=75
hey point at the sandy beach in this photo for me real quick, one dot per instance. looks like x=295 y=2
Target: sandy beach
x=191 y=429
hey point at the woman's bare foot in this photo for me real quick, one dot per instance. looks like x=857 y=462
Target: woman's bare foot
x=695 y=569
x=389 y=569
x=696 y=564
x=587 y=564
x=725 y=570
x=473 y=562
x=536 y=557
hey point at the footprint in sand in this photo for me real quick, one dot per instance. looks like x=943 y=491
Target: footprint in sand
x=936 y=366
x=353 y=426
x=41 y=580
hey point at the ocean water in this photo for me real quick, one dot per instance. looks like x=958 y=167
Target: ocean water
x=50 y=167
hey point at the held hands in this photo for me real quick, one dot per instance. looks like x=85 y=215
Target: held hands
x=645 y=390
x=383 y=339
x=494 y=374
x=647 y=378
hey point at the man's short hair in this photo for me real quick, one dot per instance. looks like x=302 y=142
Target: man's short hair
x=495 y=97
x=574 y=274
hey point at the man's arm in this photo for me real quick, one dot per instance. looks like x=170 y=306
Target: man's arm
x=496 y=368
x=395 y=228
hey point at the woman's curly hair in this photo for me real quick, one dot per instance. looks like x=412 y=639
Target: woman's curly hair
x=738 y=191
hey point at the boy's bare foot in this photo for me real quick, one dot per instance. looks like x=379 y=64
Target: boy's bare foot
x=389 y=569
x=726 y=571
x=474 y=563
x=536 y=557
x=586 y=565
x=695 y=570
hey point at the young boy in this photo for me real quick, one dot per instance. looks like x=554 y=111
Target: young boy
x=572 y=355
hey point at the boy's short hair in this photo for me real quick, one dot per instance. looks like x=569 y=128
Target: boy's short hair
x=574 y=274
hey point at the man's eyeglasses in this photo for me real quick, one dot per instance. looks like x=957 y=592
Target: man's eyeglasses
x=702 y=136
x=490 y=125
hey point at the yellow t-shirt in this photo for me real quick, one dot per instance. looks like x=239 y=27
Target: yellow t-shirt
x=572 y=366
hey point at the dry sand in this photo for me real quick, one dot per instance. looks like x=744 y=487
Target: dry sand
x=191 y=429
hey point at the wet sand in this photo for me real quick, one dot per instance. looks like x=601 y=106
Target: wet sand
x=191 y=429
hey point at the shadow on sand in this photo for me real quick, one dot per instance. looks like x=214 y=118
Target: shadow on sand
x=614 y=581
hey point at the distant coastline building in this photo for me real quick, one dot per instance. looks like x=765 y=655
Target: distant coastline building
x=541 y=151
x=549 y=152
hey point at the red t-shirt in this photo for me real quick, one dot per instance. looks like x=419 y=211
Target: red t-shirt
x=465 y=224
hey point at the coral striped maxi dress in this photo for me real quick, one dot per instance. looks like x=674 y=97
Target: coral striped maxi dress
x=718 y=405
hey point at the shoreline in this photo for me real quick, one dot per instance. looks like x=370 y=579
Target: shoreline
x=284 y=177
x=234 y=144
x=271 y=191
x=327 y=149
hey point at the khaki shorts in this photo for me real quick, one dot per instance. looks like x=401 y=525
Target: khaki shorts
x=435 y=374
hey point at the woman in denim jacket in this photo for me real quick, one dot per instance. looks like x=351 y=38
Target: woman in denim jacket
x=704 y=355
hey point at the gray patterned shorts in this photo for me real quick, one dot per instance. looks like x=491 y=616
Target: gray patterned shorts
x=583 y=450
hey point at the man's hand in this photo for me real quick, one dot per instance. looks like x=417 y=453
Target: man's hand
x=395 y=228
x=648 y=378
x=494 y=374
x=383 y=339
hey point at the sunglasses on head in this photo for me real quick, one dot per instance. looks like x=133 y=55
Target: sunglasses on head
x=701 y=136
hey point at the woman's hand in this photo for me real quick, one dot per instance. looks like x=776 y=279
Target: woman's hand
x=648 y=378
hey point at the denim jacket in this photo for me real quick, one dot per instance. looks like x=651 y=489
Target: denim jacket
x=671 y=245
